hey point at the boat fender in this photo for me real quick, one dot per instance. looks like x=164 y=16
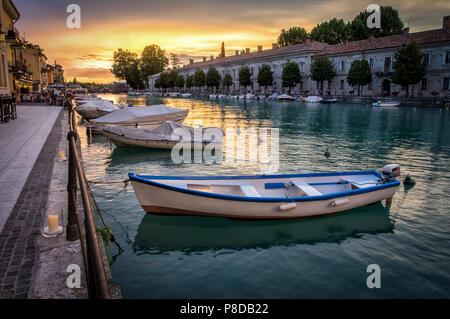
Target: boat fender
x=339 y=202
x=289 y=206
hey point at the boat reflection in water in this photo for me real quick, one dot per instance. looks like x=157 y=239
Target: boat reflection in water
x=133 y=156
x=193 y=234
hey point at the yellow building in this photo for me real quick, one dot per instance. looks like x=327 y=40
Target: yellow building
x=36 y=63
x=9 y=15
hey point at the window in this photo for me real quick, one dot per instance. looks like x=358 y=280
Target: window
x=2 y=70
x=342 y=84
x=369 y=86
x=387 y=64
x=423 y=85
x=342 y=65
x=301 y=85
x=371 y=61
x=426 y=58
x=447 y=57
x=445 y=83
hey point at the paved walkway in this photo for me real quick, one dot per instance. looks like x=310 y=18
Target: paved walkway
x=27 y=149
x=21 y=141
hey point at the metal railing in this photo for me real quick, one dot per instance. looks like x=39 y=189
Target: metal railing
x=95 y=269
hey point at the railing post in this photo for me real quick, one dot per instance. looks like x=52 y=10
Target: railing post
x=72 y=222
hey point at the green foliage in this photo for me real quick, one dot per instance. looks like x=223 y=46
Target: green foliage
x=122 y=60
x=227 y=80
x=199 y=79
x=322 y=70
x=391 y=23
x=332 y=32
x=291 y=74
x=245 y=76
x=179 y=82
x=189 y=81
x=409 y=67
x=158 y=83
x=213 y=77
x=359 y=74
x=133 y=75
x=265 y=76
x=295 y=35
x=153 y=60
x=106 y=235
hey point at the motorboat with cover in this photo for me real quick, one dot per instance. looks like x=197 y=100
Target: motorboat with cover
x=148 y=117
x=165 y=136
x=93 y=109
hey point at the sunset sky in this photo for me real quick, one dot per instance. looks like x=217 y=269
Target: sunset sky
x=192 y=28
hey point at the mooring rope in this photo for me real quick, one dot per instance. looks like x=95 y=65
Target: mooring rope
x=124 y=190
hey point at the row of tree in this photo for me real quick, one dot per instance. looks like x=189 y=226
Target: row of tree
x=409 y=68
x=338 y=31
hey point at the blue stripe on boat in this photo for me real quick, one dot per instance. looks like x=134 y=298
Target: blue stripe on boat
x=146 y=180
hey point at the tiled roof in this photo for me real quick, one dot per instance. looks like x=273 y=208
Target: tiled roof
x=425 y=37
x=312 y=46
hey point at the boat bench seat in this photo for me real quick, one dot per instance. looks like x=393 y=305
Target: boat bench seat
x=363 y=181
x=249 y=190
x=306 y=188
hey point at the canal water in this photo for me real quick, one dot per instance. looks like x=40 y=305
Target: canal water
x=322 y=257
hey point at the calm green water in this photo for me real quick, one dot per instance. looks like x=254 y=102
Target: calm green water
x=198 y=257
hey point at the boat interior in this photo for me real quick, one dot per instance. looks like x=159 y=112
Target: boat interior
x=276 y=187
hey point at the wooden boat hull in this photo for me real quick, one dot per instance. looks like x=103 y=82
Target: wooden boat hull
x=90 y=113
x=159 y=198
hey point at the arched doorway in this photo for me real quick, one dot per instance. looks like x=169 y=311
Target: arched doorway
x=386 y=87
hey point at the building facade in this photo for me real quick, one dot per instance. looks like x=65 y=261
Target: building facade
x=9 y=14
x=379 y=52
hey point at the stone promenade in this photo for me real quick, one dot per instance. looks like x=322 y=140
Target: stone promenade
x=28 y=146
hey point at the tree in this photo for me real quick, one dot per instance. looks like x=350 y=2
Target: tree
x=245 y=76
x=122 y=60
x=133 y=75
x=391 y=23
x=359 y=74
x=199 y=79
x=332 y=32
x=213 y=77
x=172 y=79
x=295 y=35
x=174 y=60
x=322 y=70
x=265 y=76
x=227 y=81
x=290 y=75
x=179 y=82
x=158 y=83
x=409 y=66
x=189 y=81
x=153 y=60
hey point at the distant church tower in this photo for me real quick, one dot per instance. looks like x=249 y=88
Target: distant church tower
x=222 y=50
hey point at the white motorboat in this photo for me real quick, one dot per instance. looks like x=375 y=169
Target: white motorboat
x=93 y=109
x=386 y=103
x=313 y=99
x=285 y=97
x=165 y=136
x=148 y=117
x=186 y=94
x=264 y=196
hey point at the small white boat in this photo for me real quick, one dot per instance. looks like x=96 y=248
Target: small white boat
x=212 y=96
x=186 y=95
x=285 y=97
x=148 y=117
x=241 y=96
x=264 y=196
x=261 y=97
x=328 y=101
x=381 y=103
x=313 y=99
x=249 y=96
x=165 y=136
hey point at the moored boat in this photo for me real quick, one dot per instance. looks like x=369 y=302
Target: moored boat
x=93 y=109
x=263 y=196
x=386 y=103
x=285 y=97
x=148 y=117
x=165 y=136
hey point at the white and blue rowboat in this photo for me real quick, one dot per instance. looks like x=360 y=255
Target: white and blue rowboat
x=262 y=196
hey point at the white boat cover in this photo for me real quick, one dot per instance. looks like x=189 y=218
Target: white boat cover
x=154 y=113
x=164 y=132
x=101 y=105
x=313 y=99
x=285 y=97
